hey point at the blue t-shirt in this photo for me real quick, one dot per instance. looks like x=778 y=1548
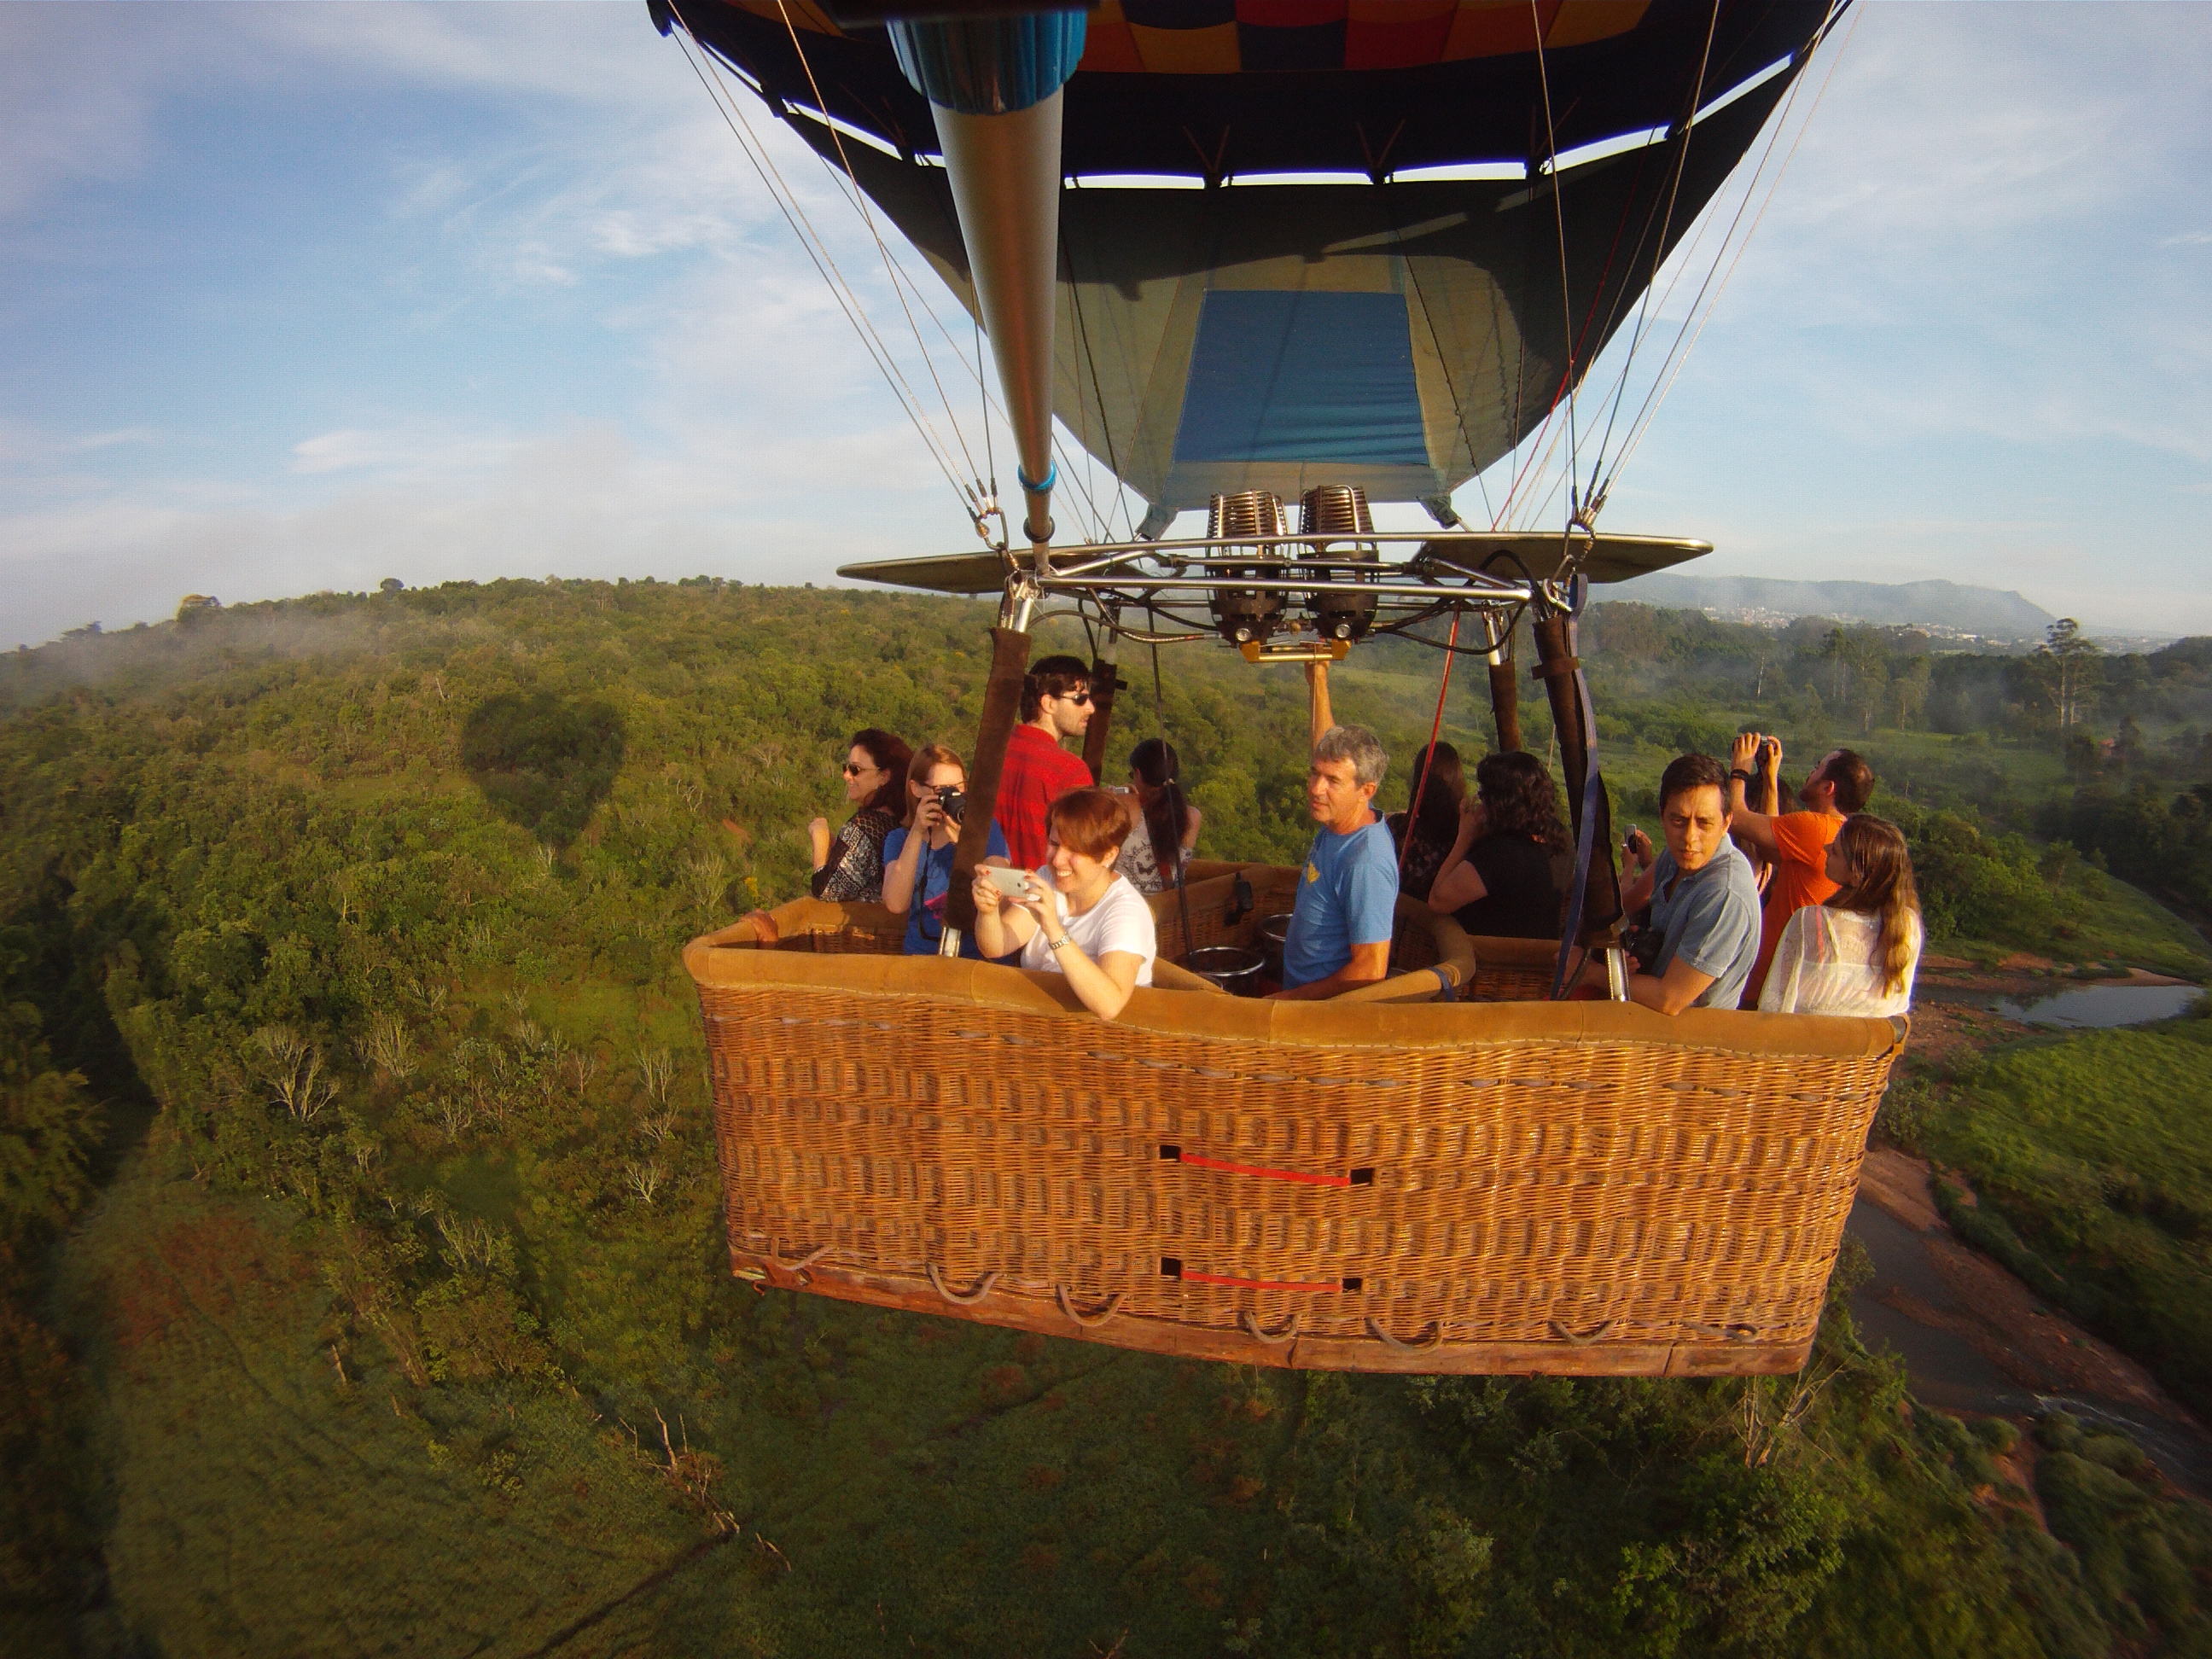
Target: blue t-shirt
x=1711 y=921
x=1347 y=896
x=932 y=879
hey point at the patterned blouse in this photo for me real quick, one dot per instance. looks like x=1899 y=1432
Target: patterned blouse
x=854 y=872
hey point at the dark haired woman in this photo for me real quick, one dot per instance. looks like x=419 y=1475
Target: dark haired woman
x=1496 y=879
x=1421 y=857
x=1164 y=818
x=1857 y=953
x=849 y=869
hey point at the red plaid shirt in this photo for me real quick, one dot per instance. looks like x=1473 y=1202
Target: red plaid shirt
x=1038 y=772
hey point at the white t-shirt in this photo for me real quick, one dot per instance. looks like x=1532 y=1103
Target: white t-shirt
x=1121 y=920
x=1824 y=964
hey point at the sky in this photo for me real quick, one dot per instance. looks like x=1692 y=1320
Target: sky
x=300 y=296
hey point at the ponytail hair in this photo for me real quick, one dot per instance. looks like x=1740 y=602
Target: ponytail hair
x=1154 y=762
x=1881 y=886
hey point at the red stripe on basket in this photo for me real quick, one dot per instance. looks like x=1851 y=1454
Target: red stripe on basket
x=1224 y=1165
x=1190 y=1277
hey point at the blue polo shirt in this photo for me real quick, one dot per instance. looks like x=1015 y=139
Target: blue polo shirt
x=1347 y=896
x=1709 y=918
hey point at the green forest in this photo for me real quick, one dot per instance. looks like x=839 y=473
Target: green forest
x=362 y=1279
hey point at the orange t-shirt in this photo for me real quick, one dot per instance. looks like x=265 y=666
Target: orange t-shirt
x=1801 y=858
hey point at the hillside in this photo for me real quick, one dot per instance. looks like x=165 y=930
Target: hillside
x=361 y=1265
x=1991 y=613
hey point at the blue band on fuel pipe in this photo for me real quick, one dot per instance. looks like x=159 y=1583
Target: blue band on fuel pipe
x=1051 y=477
x=989 y=65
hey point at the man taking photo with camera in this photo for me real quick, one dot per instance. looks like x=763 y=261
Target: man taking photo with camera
x=1704 y=934
x=1796 y=843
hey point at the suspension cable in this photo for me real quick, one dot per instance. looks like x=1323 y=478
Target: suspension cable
x=825 y=266
x=1678 y=355
x=837 y=139
x=1659 y=249
x=1559 y=215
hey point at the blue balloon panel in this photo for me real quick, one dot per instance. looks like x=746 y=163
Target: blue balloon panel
x=1301 y=375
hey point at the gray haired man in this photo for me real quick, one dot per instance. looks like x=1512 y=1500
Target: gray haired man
x=1339 y=933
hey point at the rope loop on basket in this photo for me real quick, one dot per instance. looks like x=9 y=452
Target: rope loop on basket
x=962 y=1298
x=1087 y=1321
x=798 y=1265
x=1583 y=1338
x=1285 y=1332
x=1433 y=1337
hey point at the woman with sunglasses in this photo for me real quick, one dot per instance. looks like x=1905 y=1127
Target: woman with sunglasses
x=848 y=868
x=918 y=856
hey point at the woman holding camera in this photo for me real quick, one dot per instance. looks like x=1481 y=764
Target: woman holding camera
x=1077 y=915
x=918 y=856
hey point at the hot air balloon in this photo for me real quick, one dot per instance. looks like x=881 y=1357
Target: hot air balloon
x=1445 y=1170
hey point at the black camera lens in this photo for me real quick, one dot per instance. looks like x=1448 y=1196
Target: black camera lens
x=954 y=801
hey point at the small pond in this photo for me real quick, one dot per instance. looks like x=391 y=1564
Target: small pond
x=2084 y=1006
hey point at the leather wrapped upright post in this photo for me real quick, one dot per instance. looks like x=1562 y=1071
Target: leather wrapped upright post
x=1506 y=697
x=1560 y=669
x=1104 y=682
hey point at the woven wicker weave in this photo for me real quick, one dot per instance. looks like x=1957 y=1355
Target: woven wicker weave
x=1581 y=1188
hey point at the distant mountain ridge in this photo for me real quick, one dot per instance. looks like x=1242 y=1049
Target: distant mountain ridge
x=1993 y=613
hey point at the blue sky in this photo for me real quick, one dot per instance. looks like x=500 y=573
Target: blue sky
x=298 y=296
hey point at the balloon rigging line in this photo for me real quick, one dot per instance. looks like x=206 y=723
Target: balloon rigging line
x=825 y=266
x=837 y=139
x=1659 y=250
x=971 y=498
x=1105 y=425
x=848 y=297
x=1444 y=361
x=1558 y=212
x=1701 y=313
x=903 y=282
x=1689 y=262
x=1659 y=394
x=803 y=225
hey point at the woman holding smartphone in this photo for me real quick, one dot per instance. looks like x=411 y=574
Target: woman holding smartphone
x=1076 y=915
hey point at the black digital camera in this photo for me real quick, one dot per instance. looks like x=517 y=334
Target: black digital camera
x=954 y=800
x=1641 y=943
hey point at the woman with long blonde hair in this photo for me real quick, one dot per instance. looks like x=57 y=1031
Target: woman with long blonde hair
x=1857 y=953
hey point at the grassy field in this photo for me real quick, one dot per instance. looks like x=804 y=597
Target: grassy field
x=2094 y=1153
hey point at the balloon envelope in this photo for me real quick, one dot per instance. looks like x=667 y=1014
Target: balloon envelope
x=1399 y=334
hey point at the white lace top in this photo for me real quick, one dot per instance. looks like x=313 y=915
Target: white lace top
x=1824 y=964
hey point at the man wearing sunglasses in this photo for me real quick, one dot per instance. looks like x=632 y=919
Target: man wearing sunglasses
x=1055 y=705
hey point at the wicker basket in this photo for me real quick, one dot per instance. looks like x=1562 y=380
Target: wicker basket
x=1579 y=1187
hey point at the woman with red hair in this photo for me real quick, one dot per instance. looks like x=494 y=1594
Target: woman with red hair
x=1076 y=915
